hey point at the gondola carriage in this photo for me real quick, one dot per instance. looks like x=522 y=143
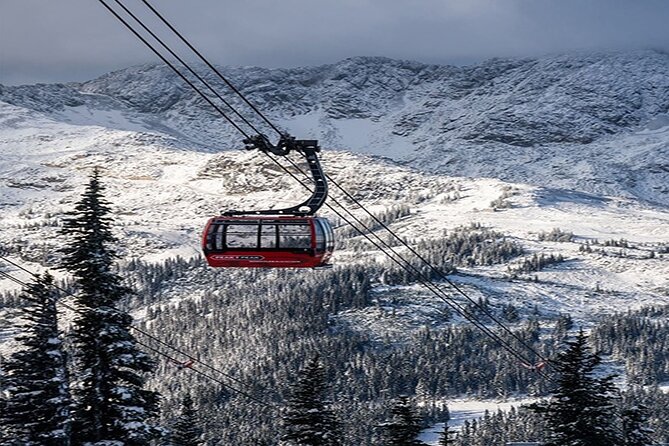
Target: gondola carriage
x=274 y=242
x=277 y=238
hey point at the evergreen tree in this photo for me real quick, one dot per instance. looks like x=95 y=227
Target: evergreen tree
x=582 y=410
x=447 y=436
x=4 y=428
x=635 y=431
x=110 y=401
x=308 y=419
x=186 y=429
x=403 y=426
x=654 y=404
x=4 y=439
x=36 y=407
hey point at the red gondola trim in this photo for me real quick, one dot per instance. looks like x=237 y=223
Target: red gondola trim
x=268 y=257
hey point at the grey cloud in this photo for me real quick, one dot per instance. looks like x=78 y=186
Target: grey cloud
x=63 y=40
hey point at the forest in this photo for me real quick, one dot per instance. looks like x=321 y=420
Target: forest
x=259 y=335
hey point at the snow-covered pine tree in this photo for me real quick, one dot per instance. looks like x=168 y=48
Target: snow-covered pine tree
x=186 y=429
x=4 y=437
x=465 y=435
x=308 y=420
x=581 y=411
x=447 y=436
x=110 y=402
x=656 y=406
x=404 y=425
x=35 y=383
x=4 y=428
x=635 y=429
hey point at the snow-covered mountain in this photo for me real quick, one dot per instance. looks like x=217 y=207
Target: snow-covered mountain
x=163 y=189
x=574 y=130
x=591 y=122
x=579 y=143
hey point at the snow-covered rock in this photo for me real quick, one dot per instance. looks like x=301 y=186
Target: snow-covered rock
x=593 y=122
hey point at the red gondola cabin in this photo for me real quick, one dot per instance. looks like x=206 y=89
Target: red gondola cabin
x=268 y=242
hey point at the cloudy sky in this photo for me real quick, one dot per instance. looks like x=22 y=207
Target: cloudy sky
x=66 y=40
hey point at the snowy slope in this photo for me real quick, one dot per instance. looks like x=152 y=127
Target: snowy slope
x=591 y=122
x=163 y=190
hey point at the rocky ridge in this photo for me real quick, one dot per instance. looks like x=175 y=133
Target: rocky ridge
x=592 y=122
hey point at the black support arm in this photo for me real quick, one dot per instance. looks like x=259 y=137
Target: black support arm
x=309 y=149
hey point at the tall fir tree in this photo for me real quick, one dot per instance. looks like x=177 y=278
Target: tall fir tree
x=111 y=403
x=36 y=406
x=308 y=420
x=404 y=425
x=582 y=409
x=186 y=430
